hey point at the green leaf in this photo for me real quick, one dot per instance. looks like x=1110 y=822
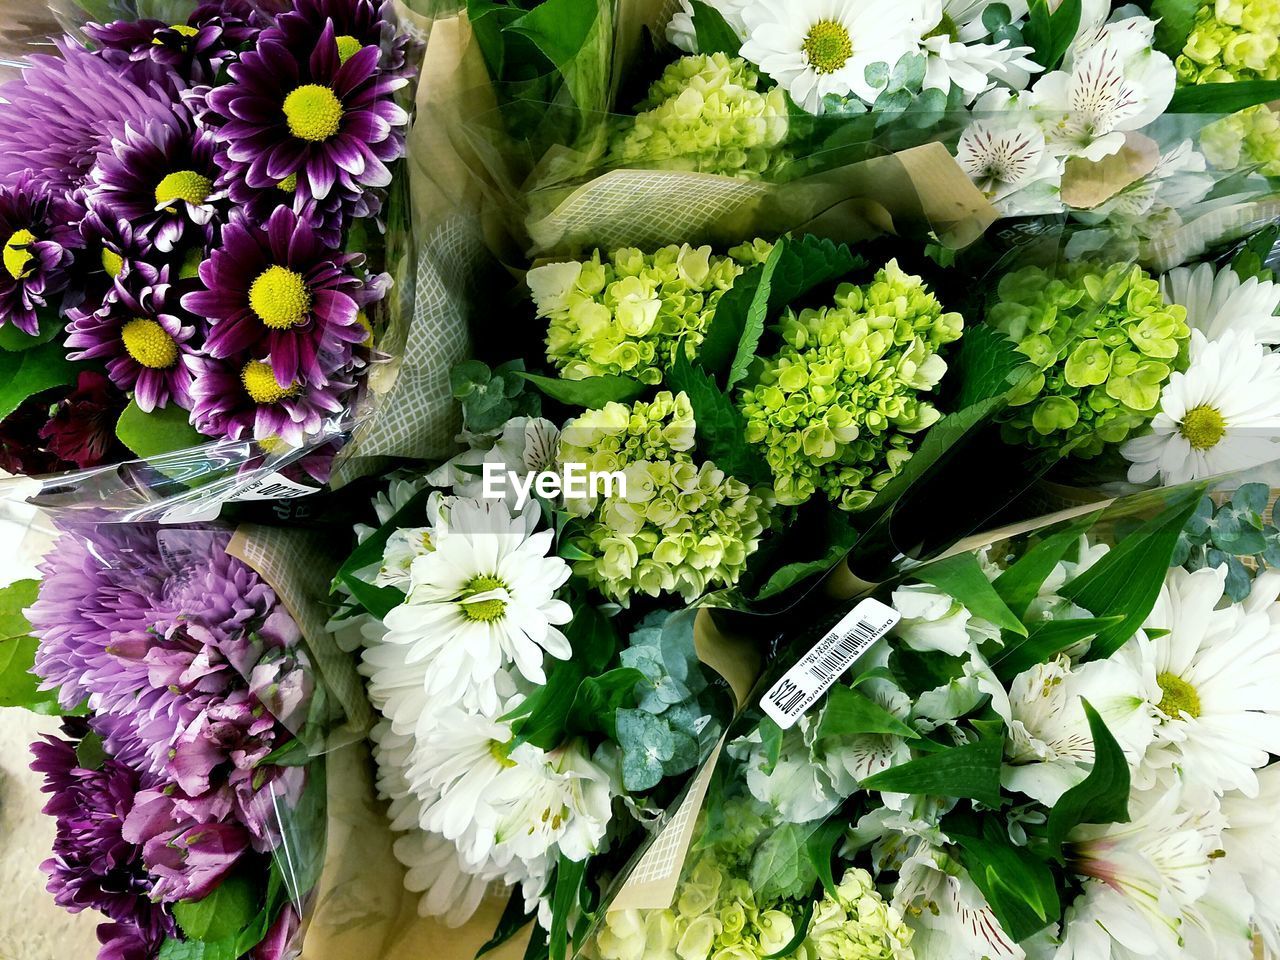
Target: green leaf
x=720 y=427
x=1127 y=580
x=50 y=325
x=713 y=33
x=197 y=950
x=985 y=365
x=1050 y=32
x=90 y=752
x=724 y=330
x=575 y=36
x=802 y=931
x=820 y=846
x=598 y=699
x=1020 y=582
x=592 y=393
x=962 y=577
x=848 y=713
x=1046 y=640
x=757 y=313
x=161 y=431
x=379 y=601
x=542 y=716
x=971 y=771
x=771 y=739
x=25 y=374
x=648 y=745
x=917 y=672
x=569 y=877
x=1102 y=796
x=1174 y=22
x=19 y=687
x=1017 y=884
x=1223 y=98
x=223 y=913
x=780 y=868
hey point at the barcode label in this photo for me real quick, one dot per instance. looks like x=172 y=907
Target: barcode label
x=803 y=684
x=274 y=486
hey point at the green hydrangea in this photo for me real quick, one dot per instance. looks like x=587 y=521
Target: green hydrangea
x=627 y=313
x=682 y=527
x=1245 y=139
x=855 y=924
x=1105 y=342
x=836 y=408
x=706 y=114
x=1232 y=40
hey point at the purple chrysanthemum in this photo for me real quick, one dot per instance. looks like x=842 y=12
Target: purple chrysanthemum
x=94 y=866
x=187 y=854
x=36 y=259
x=160 y=177
x=110 y=249
x=356 y=24
x=142 y=336
x=278 y=292
x=64 y=111
x=194 y=51
x=126 y=941
x=306 y=112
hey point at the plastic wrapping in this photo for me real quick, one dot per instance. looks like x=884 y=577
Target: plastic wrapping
x=920 y=806
x=200 y=696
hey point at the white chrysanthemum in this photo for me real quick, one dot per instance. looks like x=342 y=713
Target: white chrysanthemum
x=680 y=29
x=1111 y=83
x=1218 y=672
x=815 y=48
x=1221 y=415
x=1004 y=152
x=1250 y=842
x=1217 y=301
x=1050 y=747
x=956 y=56
x=483 y=599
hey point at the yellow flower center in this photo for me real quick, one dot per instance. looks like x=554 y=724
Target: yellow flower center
x=148 y=344
x=827 y=46
x=183 y=185
x=273 y=445
x=280 y=298
x=261 y=383
x=16 y=255
x=946 y=28
x=112 y=262
x=313 y=112
x=1179 y=697
x=348 y=47
x=1203 y=427
x=182 y=28
x=499 y=751
x=289 y=184
x=483 y=611
x=363 y=320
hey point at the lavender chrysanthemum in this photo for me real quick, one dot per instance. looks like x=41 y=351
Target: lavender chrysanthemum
x=160 y=177
x=94 y=866
x=35 y=255
x=279 y=294
x=65 y=109
x=304 y=112
x=143 y=338
x=193 y=51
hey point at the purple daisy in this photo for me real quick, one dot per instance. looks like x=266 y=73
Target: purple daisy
x=143 y=338
x=94 y=865
x=110 y=249
x=279 y=291
x=194 y=51
x=188 y=856
x=159 y=176
x=356 y=24
x=304 y=111
x=64 y=110
x=328 y=217
x=126 y=941
x=36 y=258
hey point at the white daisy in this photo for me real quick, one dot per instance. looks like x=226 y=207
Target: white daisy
x=680 y=29
x=1218 y=672
x=1250 y=842
x=1050 y=746
x=483 y=599
x=813 y=48
x=1218 y=301
x=1221 y=415
x=955 y=55
x=1004 y=152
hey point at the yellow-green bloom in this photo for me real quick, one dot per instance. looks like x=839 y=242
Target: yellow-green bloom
x=1105 y=343
x=836 y=408
x=705 y=113
x=855 y=924
x=1250 y=138
x=1232 y=40
x=627 y=313
x=682 y=527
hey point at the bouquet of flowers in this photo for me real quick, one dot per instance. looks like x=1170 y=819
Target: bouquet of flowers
x=1059 y=746
x=189 y=809
x=197 y=219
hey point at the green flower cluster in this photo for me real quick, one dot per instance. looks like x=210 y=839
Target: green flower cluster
x=1232 y=40
x=1248 y=138
x=627 y=313
x=681 y=527
x=835 y=408
x=706 y=114
x=855 y=924
x=1105 y=343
